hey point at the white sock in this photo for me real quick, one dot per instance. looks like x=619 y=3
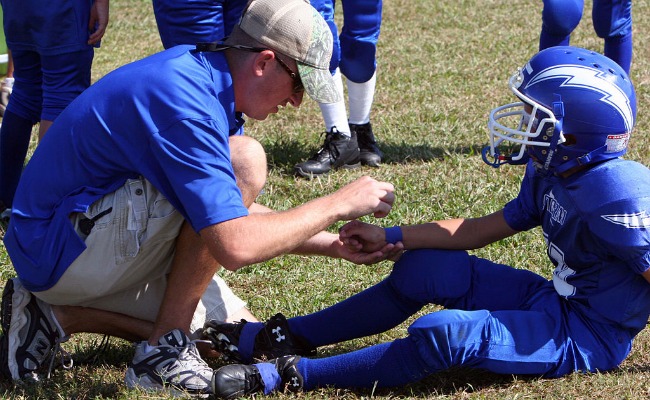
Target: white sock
x=360 y=97
x=335 y=114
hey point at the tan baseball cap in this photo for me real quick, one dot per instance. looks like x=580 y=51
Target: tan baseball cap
x=296 y=29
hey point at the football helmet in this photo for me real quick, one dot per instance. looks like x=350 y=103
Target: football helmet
x=577 y=107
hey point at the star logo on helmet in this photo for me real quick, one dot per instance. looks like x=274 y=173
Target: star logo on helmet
x=631 y=221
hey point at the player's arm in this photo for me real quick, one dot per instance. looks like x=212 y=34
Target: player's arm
x=459 y=233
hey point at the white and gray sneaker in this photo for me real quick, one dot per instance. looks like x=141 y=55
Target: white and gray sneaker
x=173 y=365
x=31 y=336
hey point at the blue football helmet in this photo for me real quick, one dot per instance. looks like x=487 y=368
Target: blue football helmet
x=577 y=107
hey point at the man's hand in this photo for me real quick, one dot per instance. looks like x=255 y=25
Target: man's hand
x=358 y=256
x=362 y=197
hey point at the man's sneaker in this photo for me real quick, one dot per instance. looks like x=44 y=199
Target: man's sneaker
x=31 y=339
x=4 y=220
x=369 y=153
x=237 y=380
x=338 y=151
x=272 y=341
x=173 y=365
x=6 y=87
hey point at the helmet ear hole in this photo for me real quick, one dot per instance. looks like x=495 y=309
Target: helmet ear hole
x=570 y=140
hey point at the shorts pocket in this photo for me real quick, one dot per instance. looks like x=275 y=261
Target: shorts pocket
x=145 y=218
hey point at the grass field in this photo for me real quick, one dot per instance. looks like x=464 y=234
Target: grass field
x=442 y=66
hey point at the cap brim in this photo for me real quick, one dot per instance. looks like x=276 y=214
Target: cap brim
x=319 y=84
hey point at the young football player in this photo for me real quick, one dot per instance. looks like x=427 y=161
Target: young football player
x=349 y=139
x=571 y=124
x=52 y=48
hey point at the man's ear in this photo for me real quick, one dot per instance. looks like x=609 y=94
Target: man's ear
x=263 y=62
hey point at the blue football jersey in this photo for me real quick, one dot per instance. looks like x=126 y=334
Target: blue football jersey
x=595 y=224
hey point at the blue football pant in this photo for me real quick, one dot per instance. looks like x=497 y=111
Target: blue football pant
x=612 y=21
x=355 y=48
x=44 y=86
x=190 y=22
x=497 y=318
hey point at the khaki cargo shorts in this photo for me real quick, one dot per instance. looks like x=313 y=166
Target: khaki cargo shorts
x=130 y=236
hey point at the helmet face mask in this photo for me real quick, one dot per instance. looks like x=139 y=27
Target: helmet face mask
x=576 y=107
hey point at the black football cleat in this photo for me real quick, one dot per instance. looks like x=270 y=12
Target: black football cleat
x=272 y=341
x=237 y=380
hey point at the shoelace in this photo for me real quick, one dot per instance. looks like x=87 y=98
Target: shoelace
x=64 y=357
x=191 y=351
x=327 y=146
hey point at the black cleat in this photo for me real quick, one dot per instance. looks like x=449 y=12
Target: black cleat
x=338 y=151
x=369 y=153
x=272 y=341
x=237 y=380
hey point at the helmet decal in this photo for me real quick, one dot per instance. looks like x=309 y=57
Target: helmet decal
x=592 y=79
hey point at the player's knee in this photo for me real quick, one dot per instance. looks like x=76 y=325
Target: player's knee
x=358 y=65
x=358 y=73
x=26 y=101
x=606 y=29
x=444 y=337
x=249 y=164
x=611 y=20
x=358 y=62
x=561 y=17
x=432 y=276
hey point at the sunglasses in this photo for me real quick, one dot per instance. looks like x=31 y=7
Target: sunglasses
x=216 y=46
x=297 y=83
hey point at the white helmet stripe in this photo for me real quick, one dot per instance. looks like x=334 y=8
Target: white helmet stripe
x=579 y=76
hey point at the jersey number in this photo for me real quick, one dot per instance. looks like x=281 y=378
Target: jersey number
x=561 y=272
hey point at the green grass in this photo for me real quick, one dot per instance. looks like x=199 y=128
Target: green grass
x=442 y=66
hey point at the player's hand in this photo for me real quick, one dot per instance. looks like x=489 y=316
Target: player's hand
x=360 y=236
x=98 y=21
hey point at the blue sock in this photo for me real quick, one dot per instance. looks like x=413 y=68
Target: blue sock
x=270 y=377
x=14 y=142
x=376 y=309
x=247 y=340
x=385 y=365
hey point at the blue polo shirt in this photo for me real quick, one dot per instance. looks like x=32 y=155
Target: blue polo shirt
x=166 y=118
